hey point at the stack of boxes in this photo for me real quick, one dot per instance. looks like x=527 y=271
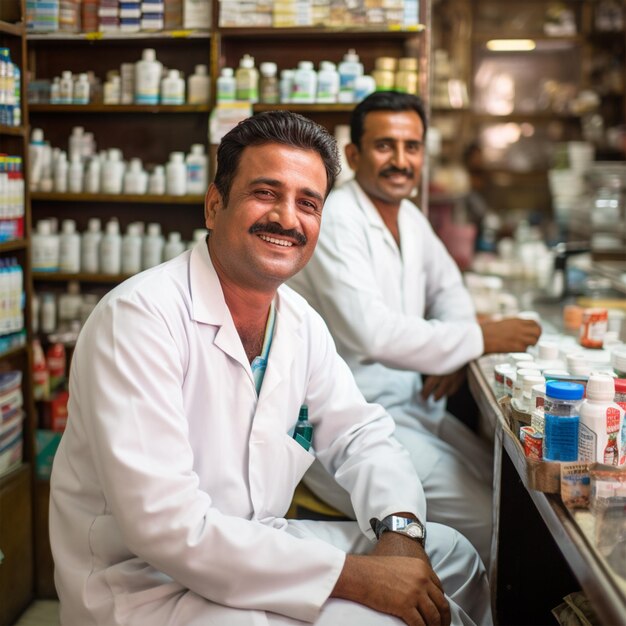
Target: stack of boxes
x=152 y=15
x=42 y=15
x=11 y=420
x=108 y=15
x=130 y=16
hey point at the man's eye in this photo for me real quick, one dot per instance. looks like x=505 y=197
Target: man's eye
x=265 y=193
x=309 y=206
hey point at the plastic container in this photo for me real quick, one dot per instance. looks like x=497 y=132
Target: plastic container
x=285 y=85
x=69 y=248
x=384 y=73
x=173 y=89
x=516 y=357
x=135 y=178
x=61 y=171
x=593 y=328
x=176 y=175
x=81 y=90
x=304 y=89
x=561 y=421
x=35 y=155
x=247 y=80
x=269 y=92
x=363 y=86
x=199 y=86
x=147 y=78
x=601 y=421
x=618 y=361
x=407 y=77
x=66 y=88
x=45 y=248
x=327 y=82
x=90 y=247
x=111 y=249
x=226 y=85
x=112 y=172
x=349 y=69
x=152 y=248
x=156 y=182
x=131 y=249
x=197 y=170
x=620 y=392
x=173 y=247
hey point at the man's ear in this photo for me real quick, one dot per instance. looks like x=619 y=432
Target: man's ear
x=352 y=156
x=212 y=204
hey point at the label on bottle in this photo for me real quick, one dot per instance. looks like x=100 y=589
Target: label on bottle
x=560 y=438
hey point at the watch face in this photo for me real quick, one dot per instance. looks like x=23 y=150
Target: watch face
x=414 y=530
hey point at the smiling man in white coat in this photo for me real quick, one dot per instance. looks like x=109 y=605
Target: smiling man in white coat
x=395 y=303
x=171 y=482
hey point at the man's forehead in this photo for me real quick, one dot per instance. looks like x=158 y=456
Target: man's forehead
x=393 y=123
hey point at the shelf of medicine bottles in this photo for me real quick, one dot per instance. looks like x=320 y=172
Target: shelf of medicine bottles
x=11 y=29
x=118 y=108
x=18 y=131
x=483 y=37
x=97 y=36
x=11 y=246
x=547 y=116
x=103 y=197
x=303 y=108
x=295 y=31
x=62 y=277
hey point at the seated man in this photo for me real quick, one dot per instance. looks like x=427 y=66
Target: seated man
x=396 y=306
x=171 y=482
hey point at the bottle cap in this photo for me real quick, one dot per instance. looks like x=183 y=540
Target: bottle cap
x=564 y=391
x=227 y=71
x=548 y=350
x=201 y=70
x=304 y=413
x=268 y=68
x=351 y=56
x=154 y=229
x=600 y=387
x=620 y=385
x=149 y=54
x=174 y=236
x=69 y=227
x=327 y=66
x=305 y=65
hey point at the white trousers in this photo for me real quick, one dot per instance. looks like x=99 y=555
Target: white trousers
x=453 y=558
x=456 y=470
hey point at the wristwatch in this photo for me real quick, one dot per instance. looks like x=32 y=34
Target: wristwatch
x=408 y=526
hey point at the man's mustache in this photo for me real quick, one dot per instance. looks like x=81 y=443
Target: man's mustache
x=408 y=172
x=272 y=228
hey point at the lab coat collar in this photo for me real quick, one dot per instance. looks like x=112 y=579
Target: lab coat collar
x=209 y=307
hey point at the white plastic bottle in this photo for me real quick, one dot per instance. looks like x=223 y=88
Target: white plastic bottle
x=69 y=248
x=112 y=172
x=156 y=182
x=152 y=248
x=90 y=247
x=364 y=85
x=147 y=78
x=285 y=85
x=76 y=142
x=45 y=248
x=600 y=423
x=131 y=249
x=173 y=247
x=226 y=85
x=196 y=162
x=66 y=88
x=55 y=91
x=36 y=158
x=111 y=249
x=173 y=89
x=135 y=178
x=198 y=86
x=176 y=175
x=247 y=80
x=61 y=168
x=199 y=234
x=349 y=69
x=81 y=90
x=327 y=82
x=304 y=88
x=75 y=175
x=91 y=183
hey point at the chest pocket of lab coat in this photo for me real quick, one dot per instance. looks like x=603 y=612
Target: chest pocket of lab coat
x=288 y=470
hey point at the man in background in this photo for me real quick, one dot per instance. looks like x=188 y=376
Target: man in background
x=396 y=306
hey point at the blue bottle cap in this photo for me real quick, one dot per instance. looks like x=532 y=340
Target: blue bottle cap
x=564 y=391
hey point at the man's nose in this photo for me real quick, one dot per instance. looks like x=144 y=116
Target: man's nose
x=400 y=158
x=284 y=213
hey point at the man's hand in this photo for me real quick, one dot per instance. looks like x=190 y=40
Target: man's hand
x=509 y=335
x=397 y=585
x=443 y=386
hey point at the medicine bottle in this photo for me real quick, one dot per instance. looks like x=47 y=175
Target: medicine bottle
x=561 y=415
x=601 y=421
x=173 y=247
x=198 y=86
x=384 y=73
x=286 y=85
x=618 y=362
x=349 y=69
x=81 y=90
x=131 y=249
x=173 y=89
x=152 y=248
x=69 y=248
x=147 y=78
x=156 y=182
x=90 y=247
x=176 y=175
x=226 y=85
x=363 y=86
x=268 y=89
x=247 y=80
x=111 y=249
x=45 y=248
x=407 y=78
x=327 y=82
x=66 y=88
x=197 y=165
x=304 y=87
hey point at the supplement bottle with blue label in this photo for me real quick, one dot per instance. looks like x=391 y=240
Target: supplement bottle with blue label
x=562 y=418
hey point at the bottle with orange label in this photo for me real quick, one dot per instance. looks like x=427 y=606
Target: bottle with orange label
x=593 y=328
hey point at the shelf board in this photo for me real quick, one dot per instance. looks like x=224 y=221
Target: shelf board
x=311 y=32
x=98 y=36
x=305 y=108
x=479 y=37
x=118 y=108
x=11 y=29
x=62 y=277
x=13 y=352
x=18 y=131
x=119 y=198
x=524 y=117
x=10 y=246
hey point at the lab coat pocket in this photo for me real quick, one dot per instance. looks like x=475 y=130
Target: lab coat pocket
x=288 y=470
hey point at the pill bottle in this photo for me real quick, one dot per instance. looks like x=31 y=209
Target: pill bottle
x=69 y=248
x=304 y=87
x=384 y=73
x=286 y=85
x=349 y=69
x=601 y=422
x=561 y=421
x=268 y=87
x=90 y=247
x=111 y=249
x=327 y=82
x=247 y=80
x=618 y=361
x=407 y=77
x=593 y=328
x=198 y=86
x=147 y=78
x=516 y=357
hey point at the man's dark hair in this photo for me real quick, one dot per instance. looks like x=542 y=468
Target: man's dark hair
x=284 y=127
x=384 y=101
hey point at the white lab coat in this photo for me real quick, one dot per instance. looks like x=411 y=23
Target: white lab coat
x=172 y=475
x=395 y=313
